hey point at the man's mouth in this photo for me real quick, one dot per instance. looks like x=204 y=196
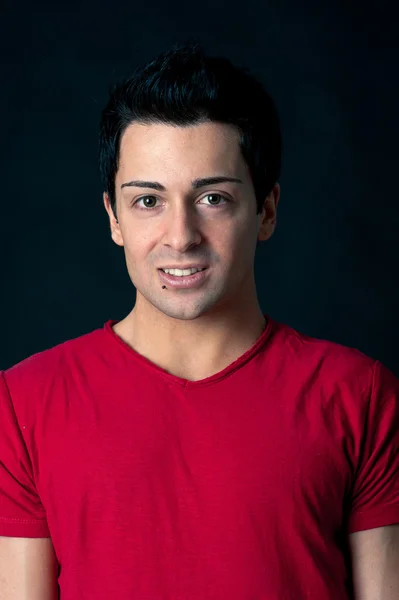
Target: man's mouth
x=183 y=272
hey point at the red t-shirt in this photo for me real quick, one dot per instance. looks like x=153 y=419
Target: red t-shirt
x=241 y=486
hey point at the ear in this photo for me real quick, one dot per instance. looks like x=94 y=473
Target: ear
x=268 y=218
x=116 y=233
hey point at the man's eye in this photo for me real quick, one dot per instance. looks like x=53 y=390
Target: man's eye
x=214 y=199
x=147 y=200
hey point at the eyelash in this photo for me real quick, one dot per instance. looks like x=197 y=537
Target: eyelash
x=210 y=205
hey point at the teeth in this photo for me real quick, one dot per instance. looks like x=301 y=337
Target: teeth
x=180 y=272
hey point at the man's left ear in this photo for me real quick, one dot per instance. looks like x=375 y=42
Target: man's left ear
x=268 y=217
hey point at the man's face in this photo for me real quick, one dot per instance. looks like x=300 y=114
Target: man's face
x=214 y=224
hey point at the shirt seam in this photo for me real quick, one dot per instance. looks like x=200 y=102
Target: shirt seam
x=26 y=521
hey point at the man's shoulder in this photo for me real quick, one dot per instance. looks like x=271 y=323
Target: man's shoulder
x=54 y=360
x=338 y=375
x=323 y=356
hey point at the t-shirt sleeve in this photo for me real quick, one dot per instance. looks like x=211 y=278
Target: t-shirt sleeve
x=21 y=511
x=375 y=495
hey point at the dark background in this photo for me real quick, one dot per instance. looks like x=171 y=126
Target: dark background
x=331 y=269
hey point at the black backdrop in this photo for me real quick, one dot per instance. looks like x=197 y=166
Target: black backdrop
x=331 y=269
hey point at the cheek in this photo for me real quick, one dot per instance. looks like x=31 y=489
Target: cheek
x=241 y=240
x=140 y=257
x=134 y=254
x=135 y=241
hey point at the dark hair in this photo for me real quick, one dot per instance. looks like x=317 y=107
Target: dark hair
x=184 y=87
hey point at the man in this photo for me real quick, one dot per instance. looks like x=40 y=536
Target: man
x=197 y=449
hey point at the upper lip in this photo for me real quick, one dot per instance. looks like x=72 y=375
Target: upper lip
x=182 y=267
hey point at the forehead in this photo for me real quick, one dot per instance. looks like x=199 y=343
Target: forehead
x=203 y=149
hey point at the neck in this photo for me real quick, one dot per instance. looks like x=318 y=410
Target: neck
x=192 y=349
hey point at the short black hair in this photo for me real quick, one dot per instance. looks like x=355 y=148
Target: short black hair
x=183 y=87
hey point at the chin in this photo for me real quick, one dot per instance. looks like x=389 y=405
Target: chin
x=183 y=310
x=181 y=313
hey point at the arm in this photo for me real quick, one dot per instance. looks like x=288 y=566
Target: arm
x=28 y=569
x=375 y=563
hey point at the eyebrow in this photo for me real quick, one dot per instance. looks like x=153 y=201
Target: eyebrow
x=197 y=183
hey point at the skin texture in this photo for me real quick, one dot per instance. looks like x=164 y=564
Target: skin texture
x=190 y=333
x=375 y=563
x=28 y=569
